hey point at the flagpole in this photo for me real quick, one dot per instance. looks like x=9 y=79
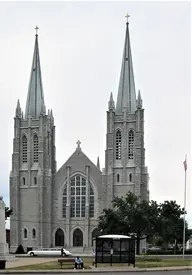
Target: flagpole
x=185 y=166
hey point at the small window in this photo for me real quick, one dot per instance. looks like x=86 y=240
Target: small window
x=118 y=144
x=23 y=181
x=25 y=233
x=130 y=177
x=35 y=148
x=118 y=177
x=24 y=149
x=35 y=181
x=33 y=233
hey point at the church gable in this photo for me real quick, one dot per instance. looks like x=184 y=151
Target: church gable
x=78 y=163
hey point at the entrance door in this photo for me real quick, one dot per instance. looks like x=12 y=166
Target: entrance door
x=77 y=237
x=59 y=237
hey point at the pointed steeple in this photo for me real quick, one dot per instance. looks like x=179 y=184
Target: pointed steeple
x=126 y=94
x=18 y=109
x=98 y=163
x=111 y=103
x=139 y=101
x=35 y=98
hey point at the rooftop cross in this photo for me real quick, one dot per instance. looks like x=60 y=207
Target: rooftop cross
x=36 y=28
x=78 y=144
x=127 y=16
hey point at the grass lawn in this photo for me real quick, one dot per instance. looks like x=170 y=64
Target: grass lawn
x=145 y=262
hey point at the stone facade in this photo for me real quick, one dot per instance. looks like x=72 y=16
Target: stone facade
x=60 y=208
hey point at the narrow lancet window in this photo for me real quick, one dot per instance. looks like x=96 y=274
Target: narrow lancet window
x=130 y=177
x=118 y=177
x=118 y=145
x=35 y=148
x=33 y=233
x=25 y=233
x=24 y=149
x=91 y=202
x=64 y=201
x=35 y=180
x=131 y=145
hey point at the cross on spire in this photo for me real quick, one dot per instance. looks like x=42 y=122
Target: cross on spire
x=36 y=28
x=78 y=144
x=127 y=16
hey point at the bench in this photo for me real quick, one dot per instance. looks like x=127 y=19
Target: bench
x=66 y=260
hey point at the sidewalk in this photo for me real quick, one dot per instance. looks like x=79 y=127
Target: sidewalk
x=96 y=270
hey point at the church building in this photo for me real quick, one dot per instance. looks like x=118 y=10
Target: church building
x=60 y=207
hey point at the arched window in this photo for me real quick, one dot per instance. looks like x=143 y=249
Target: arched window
x=91 y=202
x=118 y=177
x=35 y=180
x=77 y=237
x=35 y=148
x=64 y=201
x=78 y=196
x=25 y=233
x=24 y=149
x=33 y=233
x=130 y=177
x=131 y=145
x=23 y=181
x=118 y=144
x=59 y=237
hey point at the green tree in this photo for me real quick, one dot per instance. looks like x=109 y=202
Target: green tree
x=130 y=216
x=171 y=222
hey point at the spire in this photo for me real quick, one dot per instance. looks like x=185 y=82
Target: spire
x=126 y=94
x=98 y=163
x=139 y=100
x=111 y=103
x=18 y=109
x=35 y=98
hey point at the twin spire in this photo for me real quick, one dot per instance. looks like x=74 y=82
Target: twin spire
x=35 y=99
x=126 y=99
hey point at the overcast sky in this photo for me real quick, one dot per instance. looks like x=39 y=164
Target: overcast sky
x=81 y=47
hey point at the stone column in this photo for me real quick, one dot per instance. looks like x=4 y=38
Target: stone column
x=2 y=235
x=87 y=219
x=68 y=231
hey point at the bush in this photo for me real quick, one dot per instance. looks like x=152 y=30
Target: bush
x=20 y=250
x=169 y=252
x=148 y=259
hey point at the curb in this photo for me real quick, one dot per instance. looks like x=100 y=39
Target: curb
x=69 y=271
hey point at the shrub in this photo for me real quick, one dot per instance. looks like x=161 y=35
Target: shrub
x=20 y=250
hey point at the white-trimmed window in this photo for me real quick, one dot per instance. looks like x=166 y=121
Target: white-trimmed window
x=35 y=148
x=118 y=142
x=131 y=145
x=25 y=233
x=78 y=198
x=24 y=149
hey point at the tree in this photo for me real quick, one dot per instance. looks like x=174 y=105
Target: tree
x=130 y=216
x=171 y=222
x=8 y=212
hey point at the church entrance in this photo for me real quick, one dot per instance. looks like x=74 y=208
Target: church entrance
x=59 y=237
x=77 y=237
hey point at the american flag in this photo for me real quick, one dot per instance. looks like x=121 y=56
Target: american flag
x=185 y=164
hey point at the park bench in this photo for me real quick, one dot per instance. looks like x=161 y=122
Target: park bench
x=61 y=261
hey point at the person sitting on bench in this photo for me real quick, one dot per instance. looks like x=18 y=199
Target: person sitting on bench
x=79 y=263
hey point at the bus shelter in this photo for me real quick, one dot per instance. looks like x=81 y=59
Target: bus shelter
x=114 y=249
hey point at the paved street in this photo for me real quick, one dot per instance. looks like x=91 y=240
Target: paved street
x=179 y=272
